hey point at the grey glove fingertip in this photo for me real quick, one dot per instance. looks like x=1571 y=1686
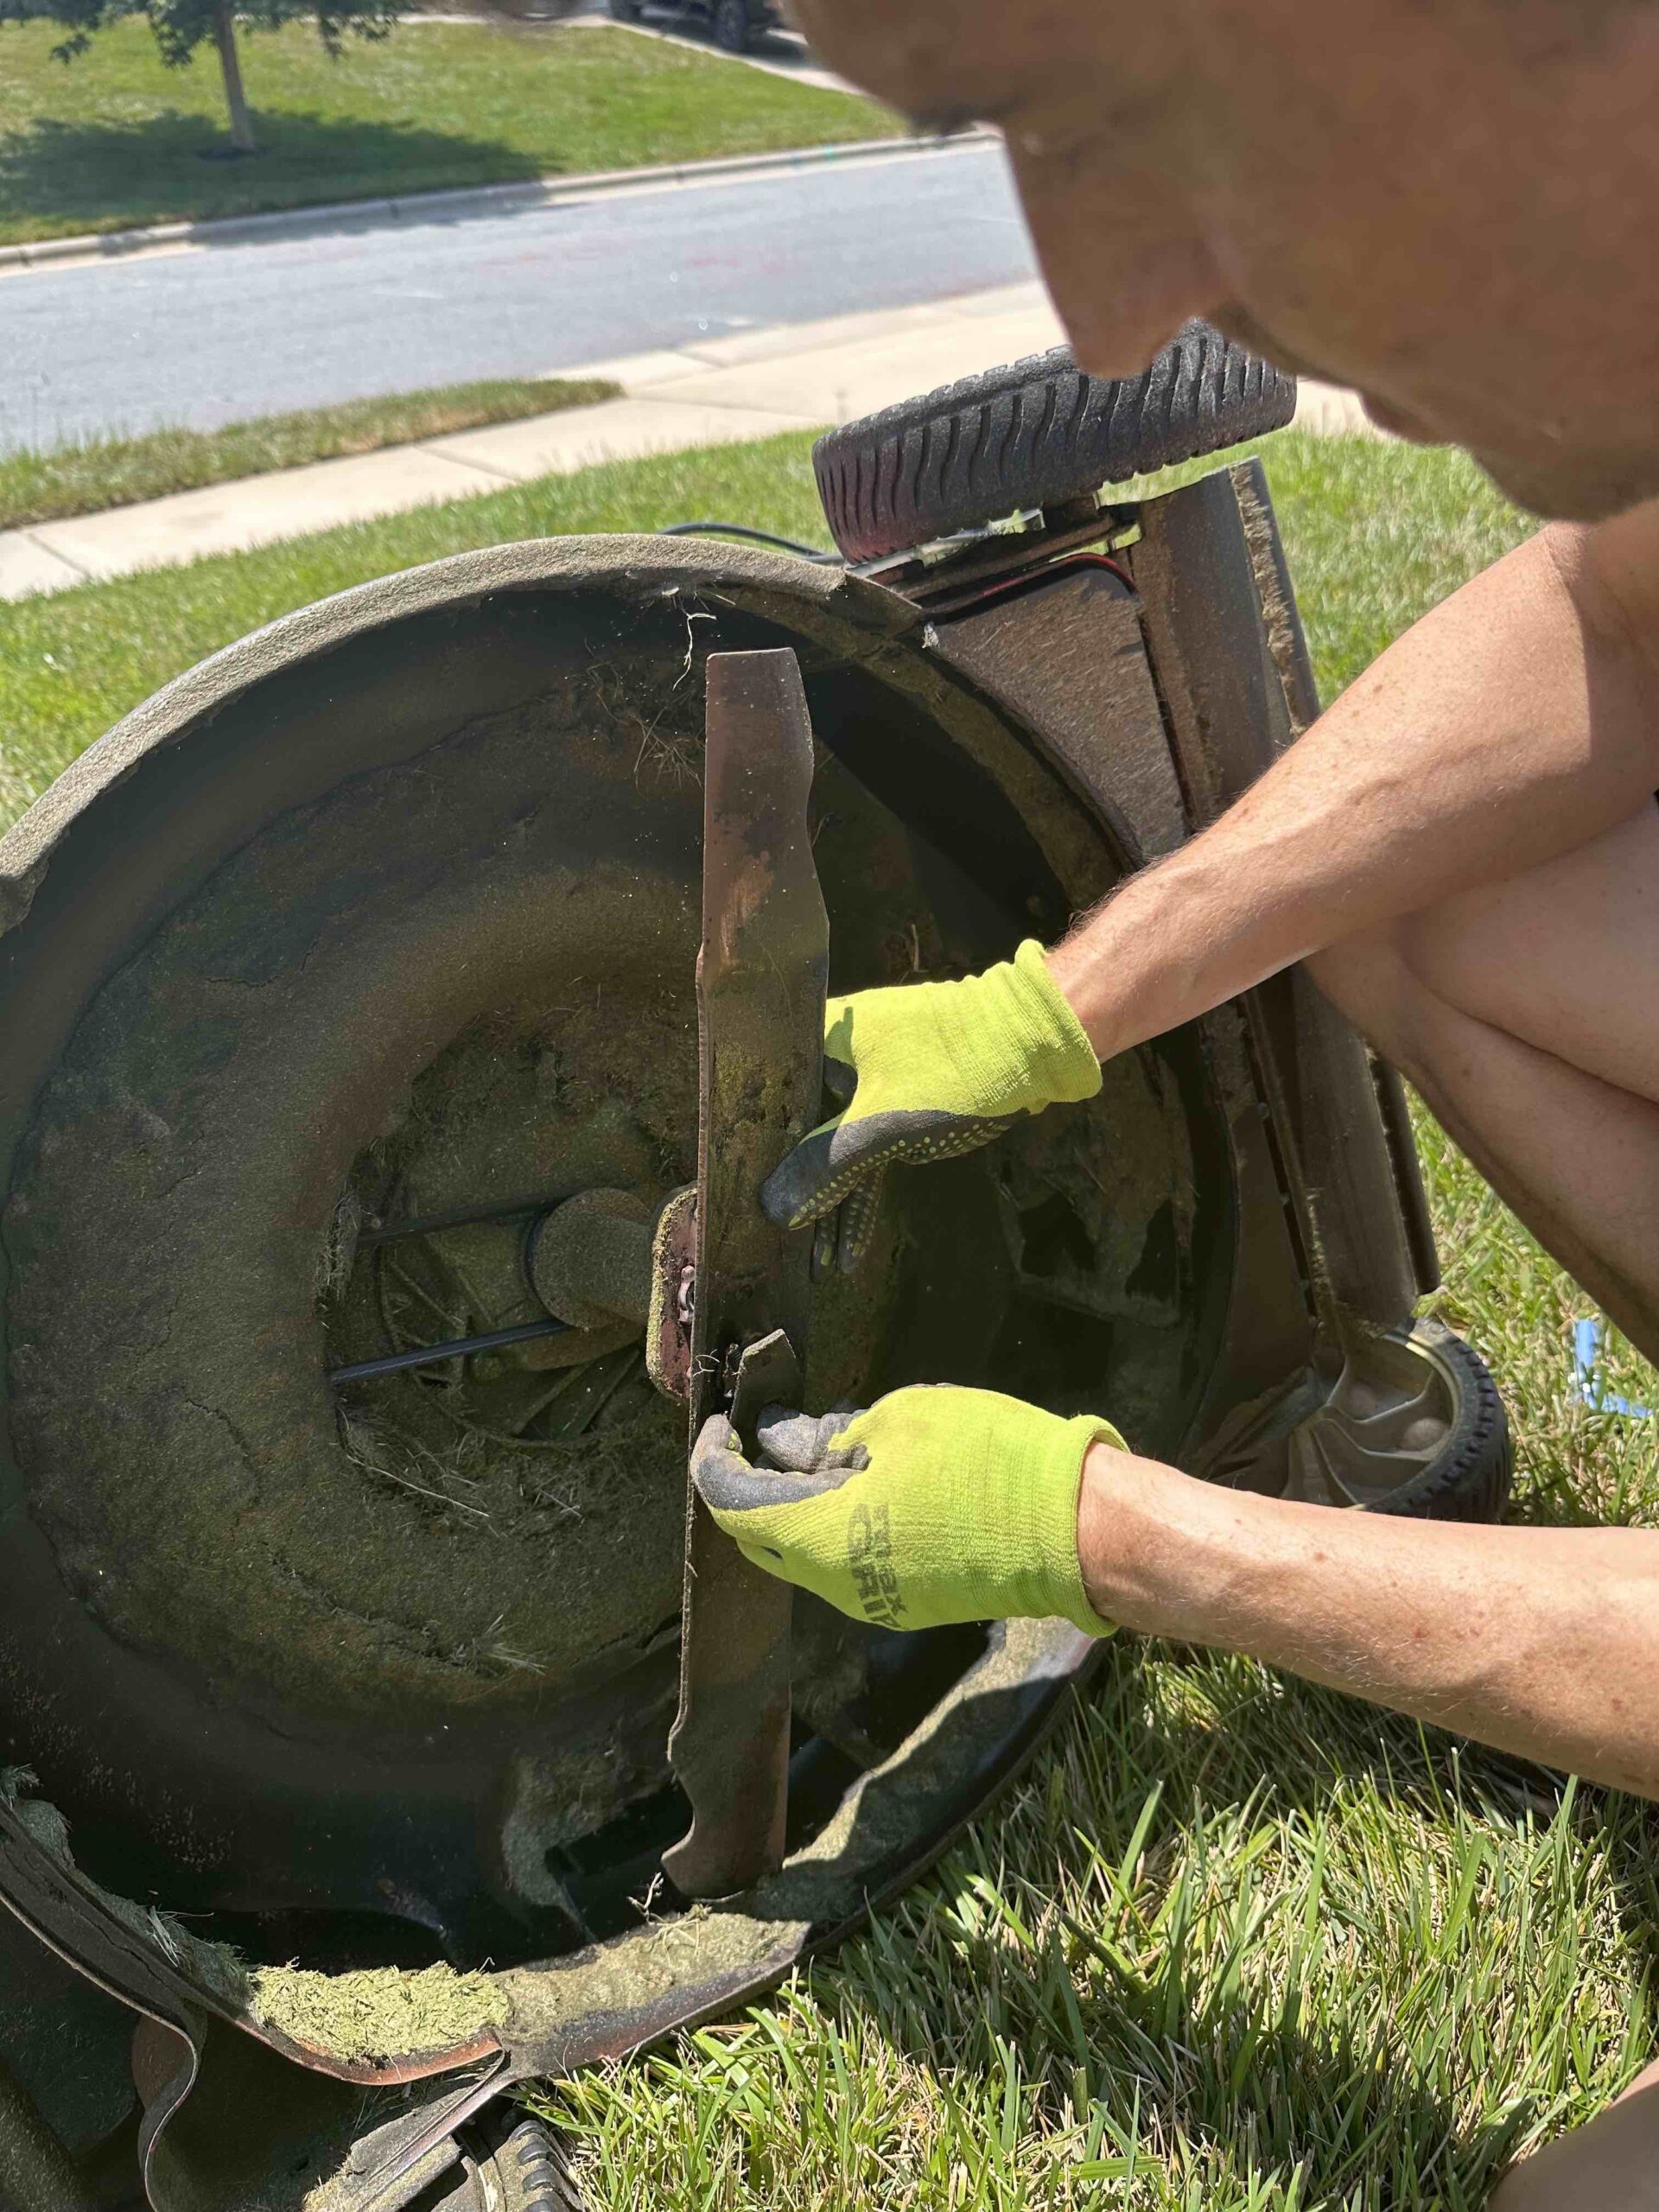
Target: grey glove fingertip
x=832 y=1162
x=797 y=1190
x=855 y=1221
x=723 y=1478
x=787 y=1441
x=717 y=1438
x=799 y=1444
x=826 y=1235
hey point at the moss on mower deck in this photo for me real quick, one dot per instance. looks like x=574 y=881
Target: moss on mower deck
x=378 y=2013
x=368 y=1555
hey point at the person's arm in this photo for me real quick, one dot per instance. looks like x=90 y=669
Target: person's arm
x=941 y=1504
x=1542 y=1642
x=1518 y=720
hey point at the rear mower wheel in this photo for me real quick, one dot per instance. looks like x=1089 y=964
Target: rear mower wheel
x=1415 y=1427
x=1037 y=433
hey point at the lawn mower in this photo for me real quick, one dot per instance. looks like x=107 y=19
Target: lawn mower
x=401 y=1010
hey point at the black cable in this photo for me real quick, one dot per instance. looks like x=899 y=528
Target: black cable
x=429 y=1224
x=458 y=1347
x=760 y=536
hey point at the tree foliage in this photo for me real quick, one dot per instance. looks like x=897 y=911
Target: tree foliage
x=180 y=26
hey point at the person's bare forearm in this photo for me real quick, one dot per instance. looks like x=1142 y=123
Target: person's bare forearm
x=1543 y=1642
x=1517 y=720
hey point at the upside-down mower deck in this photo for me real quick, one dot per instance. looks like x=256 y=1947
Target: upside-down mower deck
x=330 y=977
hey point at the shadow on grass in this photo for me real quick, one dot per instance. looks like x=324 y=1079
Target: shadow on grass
x=57 y=178
x=1627 y=1830
x=1345 y=2113
x=1229 y=2057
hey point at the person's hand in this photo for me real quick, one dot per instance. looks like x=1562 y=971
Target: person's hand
x=927 y=1071
x=937 y=1505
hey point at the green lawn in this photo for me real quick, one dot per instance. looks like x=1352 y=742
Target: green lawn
x=101 y=473
x=113 y=138
x=1378 y=533
x=1234 y=1944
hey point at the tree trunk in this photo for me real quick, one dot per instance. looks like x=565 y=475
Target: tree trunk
x=242 y=137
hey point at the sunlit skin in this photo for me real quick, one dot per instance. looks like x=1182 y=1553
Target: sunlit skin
x=1449 y=205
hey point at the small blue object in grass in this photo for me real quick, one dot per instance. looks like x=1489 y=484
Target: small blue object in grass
x=1586 y=1360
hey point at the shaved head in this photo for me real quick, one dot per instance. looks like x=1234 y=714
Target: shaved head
x=1446 y=203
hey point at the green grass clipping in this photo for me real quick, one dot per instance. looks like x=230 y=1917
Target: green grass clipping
x=379 y=2012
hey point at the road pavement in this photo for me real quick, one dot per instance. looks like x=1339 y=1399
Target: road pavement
x=215 y=334
x=794 y=376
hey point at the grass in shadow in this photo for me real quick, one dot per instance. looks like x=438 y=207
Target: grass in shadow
x=113 y=139
x=1202 y=1957
x=59 y=177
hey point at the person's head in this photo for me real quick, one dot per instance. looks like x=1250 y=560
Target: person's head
x=1450 y=203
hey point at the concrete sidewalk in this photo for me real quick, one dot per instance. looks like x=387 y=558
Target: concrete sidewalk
x=792 y=377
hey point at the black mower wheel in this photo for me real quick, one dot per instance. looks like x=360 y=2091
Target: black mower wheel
x=1037 y=433
x=1414 y=1426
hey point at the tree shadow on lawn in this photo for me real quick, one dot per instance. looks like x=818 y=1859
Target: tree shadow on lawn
x=1229 y=2060
x=60 y=178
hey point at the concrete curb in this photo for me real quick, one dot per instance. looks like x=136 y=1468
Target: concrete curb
x=750 y=384
x=481 y=198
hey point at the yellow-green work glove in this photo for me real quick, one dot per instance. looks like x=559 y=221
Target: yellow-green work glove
x=928 y=1070
x=937 y=1505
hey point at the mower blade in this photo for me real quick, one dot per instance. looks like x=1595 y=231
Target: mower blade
x=760 y=990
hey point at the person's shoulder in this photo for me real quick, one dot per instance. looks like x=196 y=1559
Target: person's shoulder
x=1613 y=570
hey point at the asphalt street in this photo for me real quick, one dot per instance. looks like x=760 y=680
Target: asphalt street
x=215 y=335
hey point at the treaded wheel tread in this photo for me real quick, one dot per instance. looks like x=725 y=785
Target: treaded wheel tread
x=533 y=2162
x=1470 y=1480
x=1036 y=433
x=518 y=2165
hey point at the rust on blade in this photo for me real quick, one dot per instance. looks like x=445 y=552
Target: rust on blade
x=760 y=989
x=673 y=1296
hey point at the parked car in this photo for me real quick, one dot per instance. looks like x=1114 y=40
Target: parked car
x=736 y=24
